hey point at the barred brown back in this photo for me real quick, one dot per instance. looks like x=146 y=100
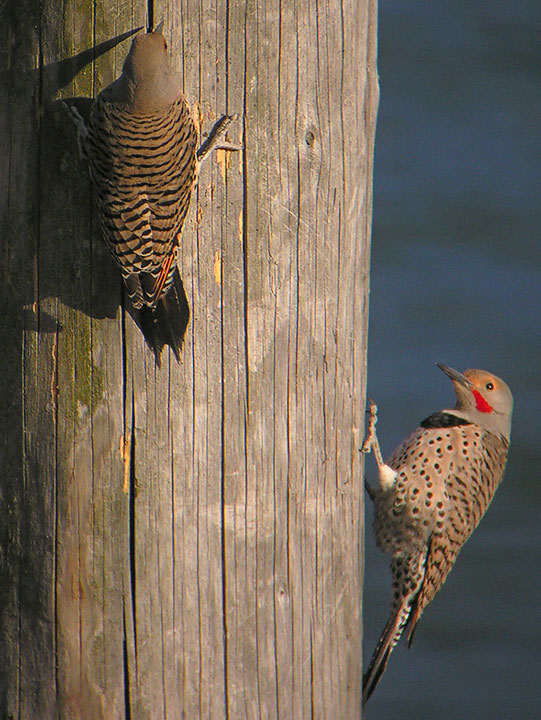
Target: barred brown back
x=143 y=169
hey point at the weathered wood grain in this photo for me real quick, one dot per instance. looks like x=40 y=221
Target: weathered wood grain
x=186 y=541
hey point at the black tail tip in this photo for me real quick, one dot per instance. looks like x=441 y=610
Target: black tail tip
x=166 y=323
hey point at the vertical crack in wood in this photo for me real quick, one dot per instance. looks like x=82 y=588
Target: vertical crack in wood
x=343 y=95
x=312 y=703
x=127 y=699
x=224 y=539
x=245 y=226
x=54 y=400
x=40 y=101
x=150 y=15
x=225 y=628
x=131 y=530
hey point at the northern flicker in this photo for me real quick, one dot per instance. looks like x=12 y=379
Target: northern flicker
x=141 y=145
x=432 y=493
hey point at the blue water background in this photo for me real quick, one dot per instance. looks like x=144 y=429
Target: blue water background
x=456 y=278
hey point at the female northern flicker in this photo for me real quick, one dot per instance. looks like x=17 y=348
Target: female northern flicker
x=141 y=144
x=432 y=493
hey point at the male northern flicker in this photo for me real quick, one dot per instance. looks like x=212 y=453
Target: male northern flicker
x=141 y=144
x=432 y=493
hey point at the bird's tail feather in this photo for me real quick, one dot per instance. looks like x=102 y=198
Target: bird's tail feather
x=166 y=323
x=388 y=639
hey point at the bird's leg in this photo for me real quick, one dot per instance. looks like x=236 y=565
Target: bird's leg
x=371 y=442
x=215 y=140
x=386 y=475
x=80 y=126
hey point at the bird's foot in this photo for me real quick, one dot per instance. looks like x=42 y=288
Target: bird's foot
x=80 y=126
x=215 y=139
x=386 y=475
x=371 y=443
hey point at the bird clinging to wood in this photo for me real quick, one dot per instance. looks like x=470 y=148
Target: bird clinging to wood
x=141 y=145
x=432 y=493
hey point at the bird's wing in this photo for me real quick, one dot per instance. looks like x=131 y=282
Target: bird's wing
x=470 y=490
x=442 y=552
x=144 y=169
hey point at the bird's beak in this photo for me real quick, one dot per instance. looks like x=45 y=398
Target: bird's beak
x=455 y=376
x=159 y=28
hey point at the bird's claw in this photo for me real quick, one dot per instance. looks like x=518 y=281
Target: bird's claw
x=370 y=437
x=215 y=140
x=80 y=126
x=371 y=443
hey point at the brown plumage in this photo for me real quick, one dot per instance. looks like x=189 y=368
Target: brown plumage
x=143 y=168
x=141 y=144
x=432 y=493
x=141 y=147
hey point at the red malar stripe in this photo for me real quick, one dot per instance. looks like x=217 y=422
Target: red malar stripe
x=480 y=402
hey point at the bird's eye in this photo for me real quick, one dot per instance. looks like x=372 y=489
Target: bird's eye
x=489 y=386
x=165 y=44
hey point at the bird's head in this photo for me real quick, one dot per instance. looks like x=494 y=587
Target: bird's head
x=148 y=73
x=482 y=398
